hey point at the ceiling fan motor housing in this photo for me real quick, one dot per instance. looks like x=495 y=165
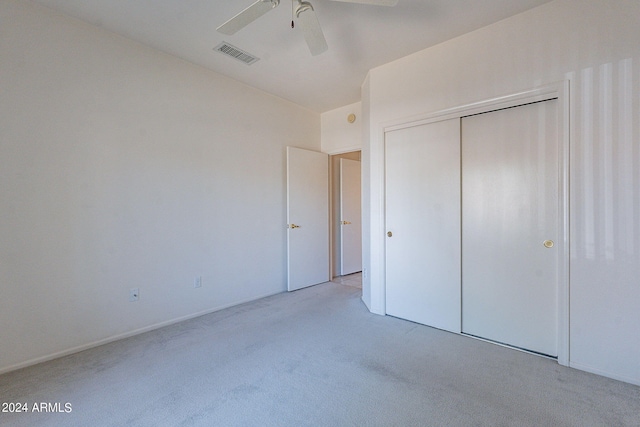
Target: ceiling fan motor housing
x=308 y=21
x=303 y=6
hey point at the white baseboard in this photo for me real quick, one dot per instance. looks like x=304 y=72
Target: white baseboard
x=592 y=370
x=124 y=335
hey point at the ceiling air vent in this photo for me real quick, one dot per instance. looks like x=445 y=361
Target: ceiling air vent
x=236 y=53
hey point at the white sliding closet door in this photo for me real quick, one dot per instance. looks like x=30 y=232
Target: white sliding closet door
x=423 y=223
x=510 y=220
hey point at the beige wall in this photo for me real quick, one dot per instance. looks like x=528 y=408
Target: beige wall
x=338 y=135
x=124 y=167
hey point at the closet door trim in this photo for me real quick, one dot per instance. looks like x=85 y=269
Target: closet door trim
x=561 y=92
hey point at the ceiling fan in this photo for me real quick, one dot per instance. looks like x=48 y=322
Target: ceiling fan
x=304 y=13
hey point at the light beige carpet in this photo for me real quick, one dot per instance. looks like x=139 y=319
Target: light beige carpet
x=315 y=357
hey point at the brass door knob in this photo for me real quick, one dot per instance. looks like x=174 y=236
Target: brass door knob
x=293 y=226
x=389 y=234
x=345 y=222
x=548 y=243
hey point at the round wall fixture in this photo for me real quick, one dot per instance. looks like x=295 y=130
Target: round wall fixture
x=351 y=118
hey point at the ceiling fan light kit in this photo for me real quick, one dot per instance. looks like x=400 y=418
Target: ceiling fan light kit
x=305 y=14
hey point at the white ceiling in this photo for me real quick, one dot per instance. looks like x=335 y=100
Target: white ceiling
x=360 y=37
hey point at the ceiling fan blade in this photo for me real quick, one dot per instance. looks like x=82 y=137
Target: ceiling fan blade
x=311 y=28
x=247 y=16
x=372 y=2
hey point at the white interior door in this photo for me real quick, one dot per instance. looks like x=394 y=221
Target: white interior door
x=307 y=218
x=423 y=223
x=510 y=214
x=350 y=217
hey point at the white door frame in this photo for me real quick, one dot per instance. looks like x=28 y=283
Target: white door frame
x=559 y=91
x=334 y=204
x=353 y=227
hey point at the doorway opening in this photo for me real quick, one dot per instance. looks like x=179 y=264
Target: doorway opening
x=345 y=218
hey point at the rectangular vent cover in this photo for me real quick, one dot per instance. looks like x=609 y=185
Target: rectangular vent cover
x=236 y=53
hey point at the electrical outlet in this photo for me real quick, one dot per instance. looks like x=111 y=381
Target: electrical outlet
x=134 y=294
x=197 y=282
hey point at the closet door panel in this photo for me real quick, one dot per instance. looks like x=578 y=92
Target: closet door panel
x=510 y=221
x=423 y=224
